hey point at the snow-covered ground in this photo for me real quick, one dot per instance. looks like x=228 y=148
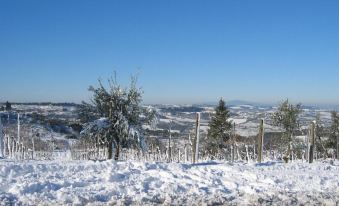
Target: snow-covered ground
x=135 y=183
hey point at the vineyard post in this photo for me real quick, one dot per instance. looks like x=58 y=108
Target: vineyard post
x=196 y=140
x=260 y=141
x=312 y=142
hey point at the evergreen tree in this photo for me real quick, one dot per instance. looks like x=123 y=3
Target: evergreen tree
x=334 y=131
x=320 y=132
x=8 y=106
x=220 y=127
x=121 y=116
x=287 y=117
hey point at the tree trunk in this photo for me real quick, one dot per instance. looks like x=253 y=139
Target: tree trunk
x=288 y=155
x=117 y=152
x=110 y=150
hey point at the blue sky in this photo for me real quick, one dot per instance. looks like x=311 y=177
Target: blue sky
x=184 y=51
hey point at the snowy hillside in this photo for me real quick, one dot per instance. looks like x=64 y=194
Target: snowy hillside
x=120 y=183
x=246 y=117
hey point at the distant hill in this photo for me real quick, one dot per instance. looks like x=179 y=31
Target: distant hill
x=236 y=103
x=45 y=103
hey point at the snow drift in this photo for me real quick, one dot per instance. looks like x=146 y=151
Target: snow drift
x=135 y=183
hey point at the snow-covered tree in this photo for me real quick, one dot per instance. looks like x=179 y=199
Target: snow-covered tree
x=121 y=116
x=220 y=127
x=286 y=117
x=320 y=133
x=87 y=112
x=334 y=132
x=8 y=106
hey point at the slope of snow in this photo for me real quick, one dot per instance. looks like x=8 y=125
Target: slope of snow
x=238 y=120
x=135 y=183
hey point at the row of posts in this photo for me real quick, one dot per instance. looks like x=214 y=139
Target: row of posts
x=310 y=142
x=260 y=141
x=11 y=147
x=16 y=146
x=194 y=145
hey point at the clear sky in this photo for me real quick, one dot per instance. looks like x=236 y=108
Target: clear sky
x=185 y=51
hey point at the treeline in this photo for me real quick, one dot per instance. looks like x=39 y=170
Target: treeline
x=65 y=104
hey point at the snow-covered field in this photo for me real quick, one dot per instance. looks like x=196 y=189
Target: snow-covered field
x=135 y=183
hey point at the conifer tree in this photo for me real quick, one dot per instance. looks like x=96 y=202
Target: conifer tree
x=334 y=131
x=220 y=127
x=320 y=133
x=286 y=117
x=8 y=106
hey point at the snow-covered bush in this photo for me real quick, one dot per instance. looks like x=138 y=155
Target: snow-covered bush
x=121 y=116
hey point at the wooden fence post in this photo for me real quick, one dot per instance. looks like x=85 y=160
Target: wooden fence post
x=13 y=147
x=190 y=148
x=19 y=140
x=232 y=153
x=9 y=146
x=179 y=154
x=5 y=145
x=247 y=154
x=185 y=155
x=260 y=141
x=312 y=142
x=169 y=144
x=33 y=148
x=2 y=140
x=196 y=140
